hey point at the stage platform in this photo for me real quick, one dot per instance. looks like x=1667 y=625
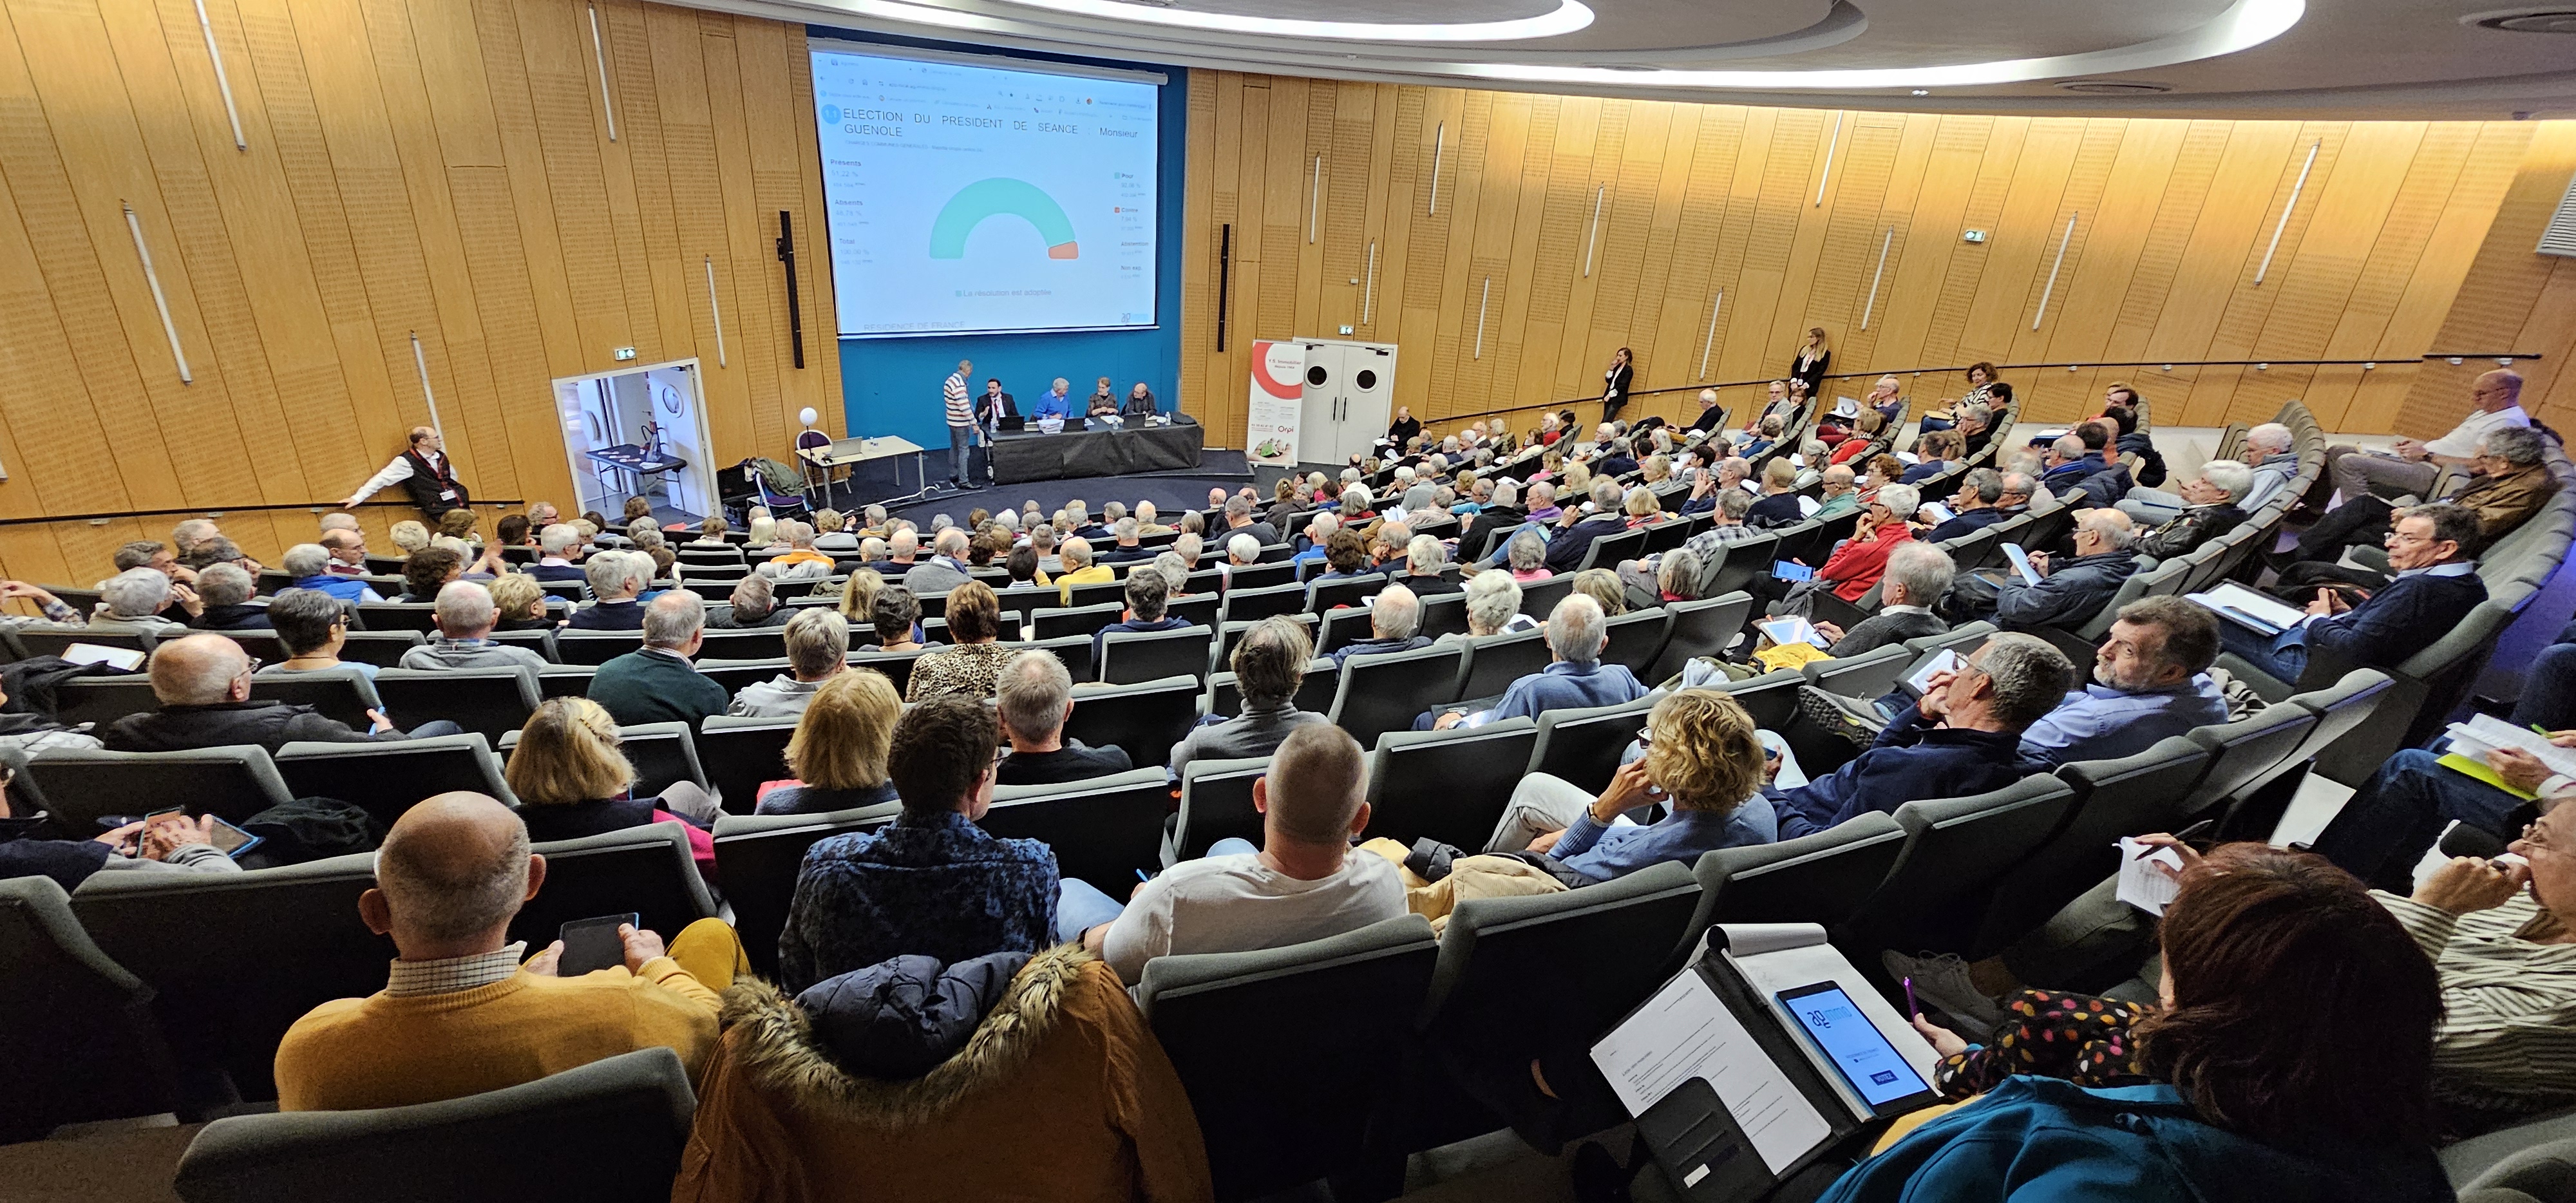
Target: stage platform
x=1171 y=492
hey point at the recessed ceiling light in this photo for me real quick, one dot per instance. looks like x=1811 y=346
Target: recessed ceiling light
x=1569 y=16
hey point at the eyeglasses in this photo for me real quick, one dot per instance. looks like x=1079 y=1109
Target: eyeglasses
x=252 y=667
x=2535 y=836
x=1645 y=737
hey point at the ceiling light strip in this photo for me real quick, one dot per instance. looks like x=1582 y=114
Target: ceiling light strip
x=1594 y=242
x=1830 y=148
x=1710 y=339
x=223 y=83
x=420 y=363
x=1481 y=302
x=2051 y=290
x=1439 y=143
x=2286 y=210
x=599 y=55
x=135 y=225
x=1368 y=295
x=714 y=310
x=1567 y=17
x=1314 y=198
x=1874 y=277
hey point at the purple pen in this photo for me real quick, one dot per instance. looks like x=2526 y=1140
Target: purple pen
x=1911 y=1007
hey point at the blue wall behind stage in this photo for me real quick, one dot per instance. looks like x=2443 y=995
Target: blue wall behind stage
x=891 y=385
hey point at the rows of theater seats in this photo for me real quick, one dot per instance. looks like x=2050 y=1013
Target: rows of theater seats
x=1366 y=1037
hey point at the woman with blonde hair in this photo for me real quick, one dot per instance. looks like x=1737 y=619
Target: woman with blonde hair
x=519 y=603
x=459 y=525
x=1604 y=586
x=859 y=596
x=410 y=536
x=1642 y=507
x=763 y=529
x=1702 y=757
x=839 y=750
x=573 y=780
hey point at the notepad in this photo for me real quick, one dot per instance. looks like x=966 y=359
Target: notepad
x=2247 y=608
x=1684 y=1032
x=2142 y=884
x=1807 y=507
x=2483 y=733
x=1748 y=486
x=1943 y=661
x=2021 y=563
x=1798 y=461
x=1940 y=513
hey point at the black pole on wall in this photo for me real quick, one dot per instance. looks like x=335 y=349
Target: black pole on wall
x=795 y=312
x=1224 y=278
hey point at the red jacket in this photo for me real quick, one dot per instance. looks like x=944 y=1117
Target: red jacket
x=1858 y=563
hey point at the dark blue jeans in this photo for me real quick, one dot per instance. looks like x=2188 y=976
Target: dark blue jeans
x=2283 y=656
x=2387 y=827
x=2549 y=689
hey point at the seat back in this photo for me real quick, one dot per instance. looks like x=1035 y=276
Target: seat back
x=1771 y=698
x=79 y=786
x=399 y=616
x=1378 y=694
x=1315 y=691
x=1246 y=604
x=1819 y=878
x=1698 y=628
x=68 y=1003
x=738 y=754
x=1144 y=718
x=226 y=1003
x=2247 y=751
x=387 y=778
x=1337 y=1017
x=1866 y=675
x=102 y=699
x=1341 y=627
x=1216 y=804
x=757 y=643
x=623 y=1120
x=1495 y=661
x=595 y=648
x=1097 y=593
x=35 y=642
x=647 y=870
x=490 y=702
x=1073 y=650
x=1261 y=576
x=1325 y=595
x=1637 y=639
x=2132 y=795
x=1131 y=657
x=1744 y=562
x=385 y=649
x=1539 y=598
x=1103 y=830
x=757 y=857
x=1584 y=746
x=1450 y=786
x=1608 y=550
x=1955 y=850
x=1442 y=614
x=1080 y=620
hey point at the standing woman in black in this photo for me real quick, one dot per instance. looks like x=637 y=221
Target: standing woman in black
x=1812 y=361
x=1614 y=396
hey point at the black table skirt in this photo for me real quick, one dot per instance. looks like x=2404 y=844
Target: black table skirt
x=1032 y=455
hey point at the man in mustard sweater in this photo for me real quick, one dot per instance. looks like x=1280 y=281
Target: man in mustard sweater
x=460 y=1014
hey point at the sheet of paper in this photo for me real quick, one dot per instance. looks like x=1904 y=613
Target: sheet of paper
x=1754 y=939
x=1909 y=457
x=2484 y=732
x=2021 y=563
x=1684 y=1032
x=1807 y=507
x=1940 y=513
x=1748 y=486
x=1798 y=461
x=2248 y=608
x=2142 y=884
x=1945 y=660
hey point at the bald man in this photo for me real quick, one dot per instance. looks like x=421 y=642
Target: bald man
x=2495 y=401
x=460 y=1013
x=424 y=471
x=203 y=682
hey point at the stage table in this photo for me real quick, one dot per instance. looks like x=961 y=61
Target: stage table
x=1027 y=455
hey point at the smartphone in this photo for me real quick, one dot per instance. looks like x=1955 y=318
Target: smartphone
x=1787 y=570
x=593 y=944
x=1859 y=1051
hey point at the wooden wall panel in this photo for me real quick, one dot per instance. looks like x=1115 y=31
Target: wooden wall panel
x=2172 y=221
x=435 y=168
x=2511 y=299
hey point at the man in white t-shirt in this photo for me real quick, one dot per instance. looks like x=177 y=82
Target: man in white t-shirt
x=2495 y=400
x=1305 y=883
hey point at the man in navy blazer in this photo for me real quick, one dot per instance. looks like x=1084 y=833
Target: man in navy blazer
x=2435 y=584
x=2068 y=462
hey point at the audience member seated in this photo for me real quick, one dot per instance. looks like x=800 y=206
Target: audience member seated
x=1268 y=663
x=1574 y=678
x=573 y=780
x=2210 y=509
x=895 y=619
x=753 y=604
x=1938 y=452
x=162 y=844
x=1035 y=700
x=802 y=562
x=308 y=566
x=1303 y=883
x=1395 y=625
x=2510 y=484
x=203 y=683
x=1148 y=592
x=858 y=596
x=1603 y=587
x=1075 y=554
x=2294 y=1053
x=223 y=596
x=932 y=883
x=2067 y=463
x=1961 y=739
x=656 y=683
x=1703 y=758
x=427 y=571
x=560 y=549
x=1857 y=564
x=1779 y=504
x=1493 y=608
x=2410 y=467
x=1573 y=539
x=615 y=583
x=1916 y=577
x=465 y=616
x=460 y=1014
x=818 y=646
x=2068 y=595
x=314 y=627
x=2266 y=451
x=946 y=567
x=519 y=604
x=137 y=602
x=1973 y=508
x=838 y=752
x=974 y=663
x=2435 y=587
x=1345 y=556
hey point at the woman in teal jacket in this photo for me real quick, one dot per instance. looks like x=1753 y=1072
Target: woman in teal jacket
x=2291 y=1062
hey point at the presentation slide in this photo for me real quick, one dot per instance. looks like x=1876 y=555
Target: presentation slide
x=971 y=198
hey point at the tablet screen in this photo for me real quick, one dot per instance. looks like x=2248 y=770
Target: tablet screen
x=1870 y=1064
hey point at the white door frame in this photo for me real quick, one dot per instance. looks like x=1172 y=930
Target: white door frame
x=697 y=385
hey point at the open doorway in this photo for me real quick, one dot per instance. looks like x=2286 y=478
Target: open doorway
x=639 y=432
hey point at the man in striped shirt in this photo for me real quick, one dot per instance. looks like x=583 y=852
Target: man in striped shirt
x=962 y=432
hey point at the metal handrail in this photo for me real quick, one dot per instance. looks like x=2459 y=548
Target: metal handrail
x=218 y=511
x=2501 y=357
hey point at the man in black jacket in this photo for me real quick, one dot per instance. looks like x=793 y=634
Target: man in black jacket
x=1035 y=699
x=1503 y=513
x=203 y=682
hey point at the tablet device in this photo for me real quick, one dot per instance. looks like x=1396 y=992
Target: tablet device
x=1790 y=570
x=1869 y=1064
x=593 y=944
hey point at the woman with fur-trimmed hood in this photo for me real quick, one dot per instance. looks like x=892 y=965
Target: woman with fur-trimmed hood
x=1009 y=1076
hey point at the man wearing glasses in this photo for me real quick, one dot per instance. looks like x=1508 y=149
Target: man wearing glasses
x=2509 y=482
x=204 y=684
x=2436 y=585
x=2495 y=403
